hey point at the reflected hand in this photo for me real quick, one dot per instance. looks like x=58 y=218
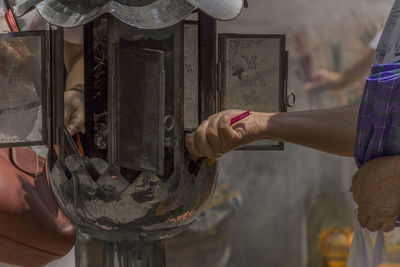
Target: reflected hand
x=74 y=111
x=215 y=136
x=324 y=80
x=376 y=190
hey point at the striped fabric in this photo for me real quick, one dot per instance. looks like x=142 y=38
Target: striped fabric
x=378 y=129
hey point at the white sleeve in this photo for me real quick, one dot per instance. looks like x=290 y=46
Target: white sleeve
x=374 y=42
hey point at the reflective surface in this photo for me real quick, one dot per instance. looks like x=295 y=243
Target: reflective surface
x=219 y=9
x=146 y=209
x=21 y=85
x=147 y=14
x=140 y=112
x=191 y=73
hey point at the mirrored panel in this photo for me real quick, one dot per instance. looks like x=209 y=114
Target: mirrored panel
x=23 y=89
x=140 y=108
x=252 y=76
x=191 y=74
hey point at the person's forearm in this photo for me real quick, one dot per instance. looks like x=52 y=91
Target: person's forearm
x=72 y=53
x=330 y=130
x=75 y=77
x=357 y=69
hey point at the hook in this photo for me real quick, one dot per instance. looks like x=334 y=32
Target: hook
x=289 y=103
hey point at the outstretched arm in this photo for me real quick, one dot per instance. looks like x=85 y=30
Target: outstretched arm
x=329 y=80
x=330 y=130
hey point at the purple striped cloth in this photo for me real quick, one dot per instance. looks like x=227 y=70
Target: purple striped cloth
x=378 y=128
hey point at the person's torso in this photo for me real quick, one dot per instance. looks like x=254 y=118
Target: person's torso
x=388 y=49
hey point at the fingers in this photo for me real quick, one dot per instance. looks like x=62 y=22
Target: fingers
x=189 y=142
x=375 y=189
x=215 y=136
x=73 y=128
x=388 y=226
x=373 y=224
x=312 y=85
x=225 y=130
x=362 y=218
x=201 y=141
x=74 y=113
x=75 y=121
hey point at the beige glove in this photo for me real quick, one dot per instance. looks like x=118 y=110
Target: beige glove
x=376 y=190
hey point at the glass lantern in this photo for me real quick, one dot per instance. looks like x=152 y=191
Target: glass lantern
x=150 y=77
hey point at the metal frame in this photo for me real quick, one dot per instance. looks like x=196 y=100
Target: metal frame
x=160 y=168
x=207 y=65
x=283 y=73
x=179 y=93
x=45 y=86
x=112 y=105
x=194 y=23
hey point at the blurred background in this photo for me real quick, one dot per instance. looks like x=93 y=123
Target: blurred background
x=297 y=209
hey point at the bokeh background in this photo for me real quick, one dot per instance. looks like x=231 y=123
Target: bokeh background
x=292 y=198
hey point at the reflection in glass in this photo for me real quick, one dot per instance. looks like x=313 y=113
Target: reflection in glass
x=252 y=74
x=191 y=75
x=20 y=89
x=140 y=100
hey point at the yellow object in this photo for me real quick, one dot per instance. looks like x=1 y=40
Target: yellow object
x=335 y=245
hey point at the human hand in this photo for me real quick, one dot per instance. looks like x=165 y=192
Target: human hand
x=376 y=190
x=215 y=136
x=324 y=80
x=74 y=111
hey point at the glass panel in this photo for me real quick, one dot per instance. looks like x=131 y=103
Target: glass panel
x=22 y=89
x=252 y=75
x=140 y=108
x=191 y=64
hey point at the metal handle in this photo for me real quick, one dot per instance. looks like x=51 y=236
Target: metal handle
x=289 y=103
x=170 y=119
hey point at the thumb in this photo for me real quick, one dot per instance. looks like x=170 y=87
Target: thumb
x=225 y=129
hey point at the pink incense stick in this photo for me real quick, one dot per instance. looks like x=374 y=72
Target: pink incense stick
x=241 y=116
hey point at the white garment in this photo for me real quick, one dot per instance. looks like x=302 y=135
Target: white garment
x=363 y=253
x=374 y=42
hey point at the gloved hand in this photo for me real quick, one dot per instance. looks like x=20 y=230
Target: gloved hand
x=376 y=190
x=74 y=111
x=215 y=136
